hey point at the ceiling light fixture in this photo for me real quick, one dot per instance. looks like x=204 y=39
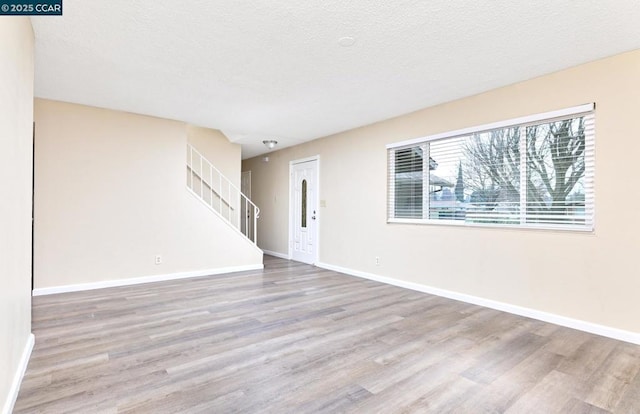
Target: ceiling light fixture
x=270 y=143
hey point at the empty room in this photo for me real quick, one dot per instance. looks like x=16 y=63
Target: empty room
x=319 y=207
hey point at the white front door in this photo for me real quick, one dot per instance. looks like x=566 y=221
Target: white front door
x=304 y=211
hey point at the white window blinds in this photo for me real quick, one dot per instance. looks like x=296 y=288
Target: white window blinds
x=529 y=172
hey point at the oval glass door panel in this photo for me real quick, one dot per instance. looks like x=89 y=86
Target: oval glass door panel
x=304 y=204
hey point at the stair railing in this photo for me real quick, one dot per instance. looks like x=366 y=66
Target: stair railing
x=215 y=190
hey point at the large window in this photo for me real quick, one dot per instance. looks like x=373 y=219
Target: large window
x=534 y=171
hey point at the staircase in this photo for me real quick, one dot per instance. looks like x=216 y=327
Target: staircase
x=215 y=190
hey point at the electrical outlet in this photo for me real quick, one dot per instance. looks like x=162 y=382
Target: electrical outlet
x=377 y=261
x=158 y=259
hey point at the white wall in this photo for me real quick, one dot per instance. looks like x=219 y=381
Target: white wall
x=215 y=147
x=589 y=277
x=111 y=194
x=16 y=120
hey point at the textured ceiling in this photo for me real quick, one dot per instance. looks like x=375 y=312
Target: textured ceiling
x=276 y=70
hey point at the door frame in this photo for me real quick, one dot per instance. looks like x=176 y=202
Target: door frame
x=316 y=249
x=245 y=208
x=246 y=173
x=33 y=205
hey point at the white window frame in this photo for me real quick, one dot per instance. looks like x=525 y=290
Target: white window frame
x=523 y=123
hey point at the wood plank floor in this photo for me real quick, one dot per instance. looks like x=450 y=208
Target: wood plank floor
x=297 y=339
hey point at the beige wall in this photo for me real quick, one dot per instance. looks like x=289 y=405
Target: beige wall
x=215 y=147
x=591 y=277
x=16 y=120
x=111 y=194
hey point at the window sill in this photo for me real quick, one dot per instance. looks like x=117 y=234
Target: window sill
x=458 y=223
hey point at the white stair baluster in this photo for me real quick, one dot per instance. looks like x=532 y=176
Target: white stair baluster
x=234 y=196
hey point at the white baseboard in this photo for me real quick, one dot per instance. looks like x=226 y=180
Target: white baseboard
x=19 y=374
x=276 y=254
x=146 y=279
x=580 y=325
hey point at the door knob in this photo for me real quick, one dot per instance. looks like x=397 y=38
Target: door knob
x=313 y=217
